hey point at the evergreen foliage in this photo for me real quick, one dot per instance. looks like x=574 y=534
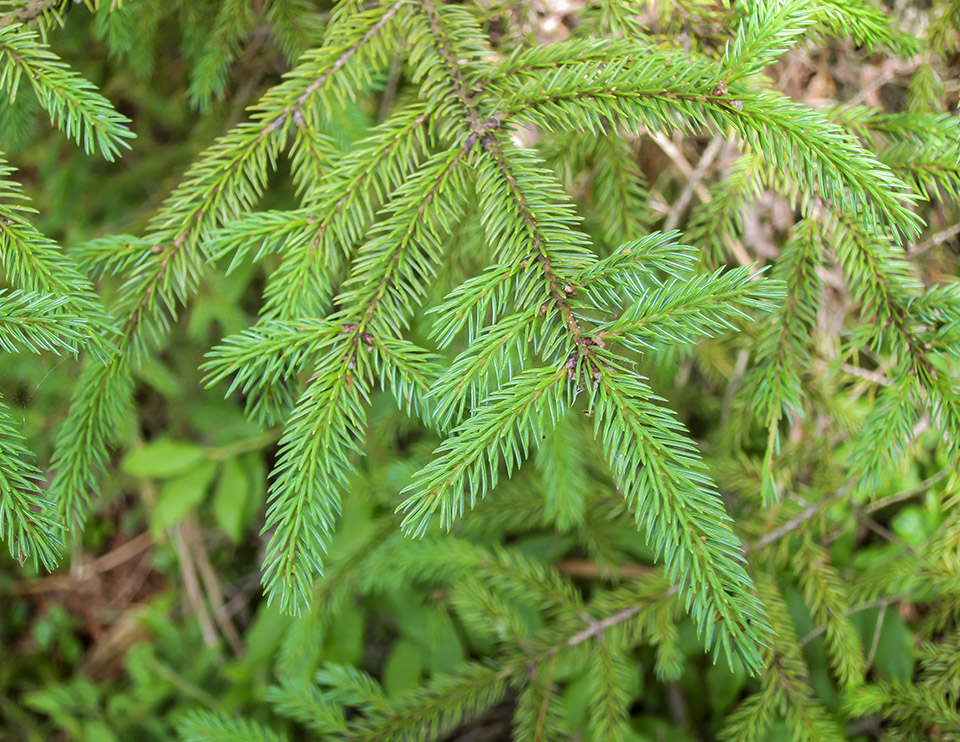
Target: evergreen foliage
x=448 y=213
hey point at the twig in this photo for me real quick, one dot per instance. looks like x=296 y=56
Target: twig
x=683 y=165
x=794 y=523
x=875 y=376
x=105 y=563
x=221 y=453
x=890 y=69
x=192 y=587
x=879 y=603
x=934 y=240
x=185 y=686
x=907 y=494
x=583 y=568
x=246 y=588
x=876 y=636
x=601 y=626
x=30 y=11
x=212 y=586
x=706 y=160
x=390 y=92
x=882 y=531
x=677 y=705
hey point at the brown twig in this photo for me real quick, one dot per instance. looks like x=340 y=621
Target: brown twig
x=693 y=182
x=879 y=603
x=583 y=568
x=882 y=531
x=28 y=12
x=794 y=523
x=601 y=626
x=212 y=585
x=672 y=151
x=191 y=587
x=105 y=563
x=876 y=635
x=935 y=240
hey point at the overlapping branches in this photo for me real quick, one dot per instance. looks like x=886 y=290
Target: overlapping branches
x=546 y=320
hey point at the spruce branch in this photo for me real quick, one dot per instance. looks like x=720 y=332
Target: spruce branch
x=773 y=388
x=31 y=10
x=233 y=22
x=635 y=268
x=826 y=599
x=770 y=29
x=506 y=572
x=314 y=462
x=492 y=356
x=96 y=412
x=73 y=103
x=28 y=518
x=669 y=492
x=36 y=323
x=609 y=678
x=295 y=25
x=408 y=372
x=377 y=300
x=681 y=312
x=466 y=467
x=35 y=265
x=451 y=699
x=267 y=353
x=306 y=703
x=785 y=691
x=315 y=247
x=821 y=156
x=204 y=726
x=224 y=182
x=110 y=255
x=439 y=708
x=562 y=463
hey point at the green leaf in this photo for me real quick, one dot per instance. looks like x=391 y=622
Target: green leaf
x=724 y=685
x=162 y=459
x=446 y=651
x=180 y=495
x=345 y=643
x=403 y=667
x=895 y=653
x=230 y=498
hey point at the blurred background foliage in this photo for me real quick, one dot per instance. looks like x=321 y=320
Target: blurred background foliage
x=159 y=608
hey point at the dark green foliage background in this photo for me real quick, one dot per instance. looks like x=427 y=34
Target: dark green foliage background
x=860 y=591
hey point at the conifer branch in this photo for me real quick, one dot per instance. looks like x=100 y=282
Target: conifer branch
x=74 y=104
x=773 y=386
x=663 y=480
x=28 y=519
x=682 y=312
x=35 y=265
x=609 y=675
x=225 y=182
x=36 y=323
x=314 y=462
x=438 y=228
x=376 y=301
x=315 y=247
x=30 y=11
x=820 y=155
x=770 y=29
x=204 y=726
x=465 y=467
x=828 y=606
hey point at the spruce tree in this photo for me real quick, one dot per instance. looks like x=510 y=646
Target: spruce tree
x=488 y=256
